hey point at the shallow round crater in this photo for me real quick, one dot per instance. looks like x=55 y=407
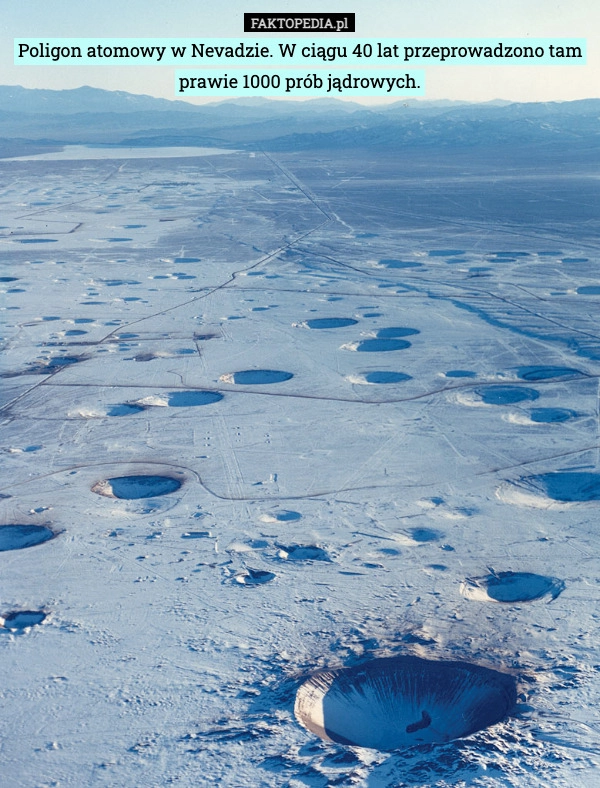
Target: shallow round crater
x=445 y=252
x=22 y=619
x=423 y=535
x=119 y=282
x=191 y=399
x=510 y=587
x=151 y=355
x=37 y=241
x=398 y=702
x=283 y=516
x=565 y=486
x=124 y=409
x=378 y=345
x=589 y=290
x=384 y=376
x=551 y=415
x=17 y=537
x=136 y=487
x=52 y=365
x=392 y=332
x=254 y=577
x=256 y=377
x=331 y=322
x=400 y=264
x=546 y=372
x=506 y=395
x=460 y=373
x=302 y=552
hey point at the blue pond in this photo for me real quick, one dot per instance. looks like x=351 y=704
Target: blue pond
x=331 y=322
x=506 y=395
x=383 y=376
x=187 y=399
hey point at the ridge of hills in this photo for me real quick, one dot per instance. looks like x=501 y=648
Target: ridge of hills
x=33 y=120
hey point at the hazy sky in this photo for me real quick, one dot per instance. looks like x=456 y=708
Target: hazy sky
x=199 y=20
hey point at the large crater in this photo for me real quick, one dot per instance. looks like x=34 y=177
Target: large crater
x=511 y=587
x=17 y=537
x=398 y=702
x=506 y=395
x=136 y=487
x=256 y=377
x=331 y=322
x=565 y=486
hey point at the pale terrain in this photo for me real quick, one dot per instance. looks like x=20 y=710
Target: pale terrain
x=410 y=465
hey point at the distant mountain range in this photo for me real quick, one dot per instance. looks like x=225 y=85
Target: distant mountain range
x=32 y=120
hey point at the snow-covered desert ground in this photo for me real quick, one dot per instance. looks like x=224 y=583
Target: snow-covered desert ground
x=266 y=415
